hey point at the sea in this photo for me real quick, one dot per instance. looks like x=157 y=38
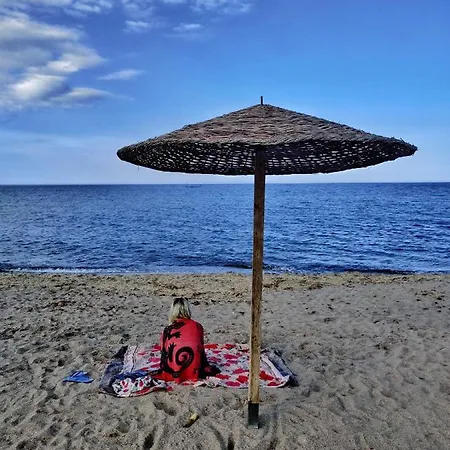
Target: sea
x=309 y=228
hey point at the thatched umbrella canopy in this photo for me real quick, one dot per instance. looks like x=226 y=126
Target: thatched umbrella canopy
x=294 y=143
x=263 y=140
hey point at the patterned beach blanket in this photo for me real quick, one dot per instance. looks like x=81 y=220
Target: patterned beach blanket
x=129 y=374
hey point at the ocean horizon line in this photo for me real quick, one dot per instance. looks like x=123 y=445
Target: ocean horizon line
x=224 y=183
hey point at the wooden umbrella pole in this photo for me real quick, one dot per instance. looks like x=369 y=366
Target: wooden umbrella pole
x=257 y=281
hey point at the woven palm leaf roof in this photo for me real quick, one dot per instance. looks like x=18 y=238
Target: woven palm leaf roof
x=294 y=144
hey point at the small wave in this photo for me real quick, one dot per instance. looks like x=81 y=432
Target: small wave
x=233 y=266
x=275 y=269
x=8 y=268
x=270 y=268
x=383 y=271
x=340 y=268
x=237 y=265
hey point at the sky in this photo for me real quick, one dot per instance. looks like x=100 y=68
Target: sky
x=79 y=79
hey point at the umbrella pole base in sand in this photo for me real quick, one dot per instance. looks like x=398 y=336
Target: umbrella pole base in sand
x=253 y=415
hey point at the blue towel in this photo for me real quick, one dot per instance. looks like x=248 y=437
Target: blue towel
x=79 y=376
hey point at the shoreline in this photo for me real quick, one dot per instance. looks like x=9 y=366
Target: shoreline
x=371 y=353
x=9 y=269
x=229 y=283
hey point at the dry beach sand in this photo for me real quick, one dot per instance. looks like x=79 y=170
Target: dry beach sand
x=372 y=355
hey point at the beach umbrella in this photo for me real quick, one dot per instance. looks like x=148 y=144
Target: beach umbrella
x=263 y=140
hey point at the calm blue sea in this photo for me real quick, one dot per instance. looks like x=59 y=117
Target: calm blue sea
x=310 y=228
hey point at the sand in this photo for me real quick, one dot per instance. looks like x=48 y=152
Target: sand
x=371 y=353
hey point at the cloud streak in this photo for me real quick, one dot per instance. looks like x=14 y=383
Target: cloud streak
x=223 y=6
x=121 y=75
x=141 y=26
x=82 y=95
x=188 y=31
x=19 y=30
x=188 y=28
x=77 y=8
x=146 y=15
x=139 y=9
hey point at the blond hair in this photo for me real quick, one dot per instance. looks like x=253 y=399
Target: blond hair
x=179 y=309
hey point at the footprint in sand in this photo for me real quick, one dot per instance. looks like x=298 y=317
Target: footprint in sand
x=148 y=442
x=230 y=445
x=166 y=408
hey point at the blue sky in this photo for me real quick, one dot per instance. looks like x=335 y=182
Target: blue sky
x=81 y=78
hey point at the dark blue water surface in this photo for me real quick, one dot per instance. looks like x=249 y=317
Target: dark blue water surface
x=310 y=228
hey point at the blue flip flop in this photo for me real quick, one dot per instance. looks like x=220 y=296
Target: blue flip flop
x=79 y=376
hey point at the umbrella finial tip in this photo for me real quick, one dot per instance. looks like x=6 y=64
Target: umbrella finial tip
x=262 y=100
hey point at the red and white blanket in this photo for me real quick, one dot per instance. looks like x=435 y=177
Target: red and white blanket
x=129 y=374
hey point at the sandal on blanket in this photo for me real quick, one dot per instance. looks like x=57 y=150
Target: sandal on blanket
x=79 y=376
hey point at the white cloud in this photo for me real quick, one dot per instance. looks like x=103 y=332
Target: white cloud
x=139 y=9
x=14 y=31
x=37 y=58
x=141 y=26
x=27 y=4
x=35 y=61
x=81 y=95
x=189 y=31
x=141 y=16
x=75 y=58
x=44 y=2
x=188 y=28
x=29 y=56
x=126 y=74
x=144 y=15
x=86 y=8
x=38 y=88
x=136 y=26
x=223 y=6
x=73 y=7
